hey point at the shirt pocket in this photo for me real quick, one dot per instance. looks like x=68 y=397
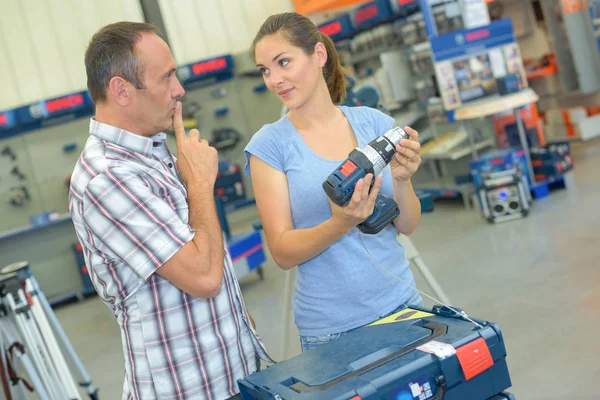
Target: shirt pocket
x=174 y=193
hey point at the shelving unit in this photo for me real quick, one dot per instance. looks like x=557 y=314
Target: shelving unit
x=459 y=152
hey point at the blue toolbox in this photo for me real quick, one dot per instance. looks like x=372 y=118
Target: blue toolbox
x=497 y=161
x=503 y=396
x=414 y=354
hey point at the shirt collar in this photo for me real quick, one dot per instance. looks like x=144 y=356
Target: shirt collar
x=125 y=139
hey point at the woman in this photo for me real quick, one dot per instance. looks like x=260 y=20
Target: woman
x=339 y=285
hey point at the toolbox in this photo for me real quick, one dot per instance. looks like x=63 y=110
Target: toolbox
x=414 y=354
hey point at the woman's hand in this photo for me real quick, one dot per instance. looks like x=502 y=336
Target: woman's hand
x=360 y=206
x=407 y=159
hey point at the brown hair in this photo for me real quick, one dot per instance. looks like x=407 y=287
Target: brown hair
x=111 y=52
x=302 y=33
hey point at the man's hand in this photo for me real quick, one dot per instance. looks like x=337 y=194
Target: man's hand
x=197 y=161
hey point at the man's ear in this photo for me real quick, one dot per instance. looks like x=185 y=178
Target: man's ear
x=119 y=91
x=321 y=54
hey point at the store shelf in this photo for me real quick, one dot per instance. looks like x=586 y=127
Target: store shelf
x=446 y=188
x=374 y=53
x=407 y=117
x=27 y=229
x=458 y=153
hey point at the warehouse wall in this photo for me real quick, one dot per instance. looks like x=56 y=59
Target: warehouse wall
x=42 y=43
x=199 y=29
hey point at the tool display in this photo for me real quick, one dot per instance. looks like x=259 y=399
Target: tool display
x=28 y=342
x=503 y=196
x=413 y=354
x=502 y=185
x=371 y=159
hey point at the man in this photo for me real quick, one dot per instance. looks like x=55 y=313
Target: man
x=149 y=227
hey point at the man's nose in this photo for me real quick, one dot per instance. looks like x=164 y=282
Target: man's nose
x=179 y=90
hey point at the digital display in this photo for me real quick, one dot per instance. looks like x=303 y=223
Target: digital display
x=366 y=14
x=332 y=28
x=209 y=66
x=65 y=103
x=216 y=68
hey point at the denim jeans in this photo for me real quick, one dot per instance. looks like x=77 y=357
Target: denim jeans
x=312 y=342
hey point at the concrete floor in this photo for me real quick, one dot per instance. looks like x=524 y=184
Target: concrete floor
x=538 y=277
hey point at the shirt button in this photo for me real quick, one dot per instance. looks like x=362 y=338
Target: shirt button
x=170 y=165
x=156 y=144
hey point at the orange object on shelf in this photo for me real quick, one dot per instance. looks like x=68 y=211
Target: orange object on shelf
x=573 y=6
x=531 y=120
x=306 y=7
x=541 y=68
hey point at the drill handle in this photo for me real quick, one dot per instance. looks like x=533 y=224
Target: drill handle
x=384 y=212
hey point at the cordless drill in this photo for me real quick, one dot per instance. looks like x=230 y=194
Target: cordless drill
x=371 y=159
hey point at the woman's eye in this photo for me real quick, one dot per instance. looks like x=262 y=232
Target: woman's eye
x=264 y=71
x=283 y=63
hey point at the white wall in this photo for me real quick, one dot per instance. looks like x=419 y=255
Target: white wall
x=200 y=29
x=42 y=44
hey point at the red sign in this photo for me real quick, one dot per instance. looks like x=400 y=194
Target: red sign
x=64 y=103
x=206 y=67
x=477 y=35
x=366 y=14
x=405 y=2
x=3 y=119
x=332 y=28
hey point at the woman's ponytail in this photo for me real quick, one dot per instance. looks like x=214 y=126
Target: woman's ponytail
x=333 y=71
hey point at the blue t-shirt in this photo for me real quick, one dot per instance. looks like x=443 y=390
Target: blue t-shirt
x=342 y=288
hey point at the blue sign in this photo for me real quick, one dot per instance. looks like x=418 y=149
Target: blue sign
x=54 y=107
x=404 y=7
x=222 y=65
x=8 y=120
x=468 y=41
x=337 y=28
x=371 y=13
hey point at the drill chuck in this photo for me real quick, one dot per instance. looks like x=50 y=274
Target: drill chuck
x=381 y=150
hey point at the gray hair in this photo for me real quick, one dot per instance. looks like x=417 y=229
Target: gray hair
x=111 y=52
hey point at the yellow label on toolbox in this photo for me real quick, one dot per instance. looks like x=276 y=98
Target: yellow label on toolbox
x=404 y=315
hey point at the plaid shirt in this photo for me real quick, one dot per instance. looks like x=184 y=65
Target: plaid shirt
x=130 y=212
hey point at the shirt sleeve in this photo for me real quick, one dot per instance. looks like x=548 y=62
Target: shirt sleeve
x=132 y=222
x=265 y=145
x=381 y=121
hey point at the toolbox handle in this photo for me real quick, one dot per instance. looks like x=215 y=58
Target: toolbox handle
x=441 y=390
x=437 y=330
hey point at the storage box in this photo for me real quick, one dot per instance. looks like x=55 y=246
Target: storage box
x=415 y=353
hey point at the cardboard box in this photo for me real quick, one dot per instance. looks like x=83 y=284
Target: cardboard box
x=569 y=115
x=586 y=129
